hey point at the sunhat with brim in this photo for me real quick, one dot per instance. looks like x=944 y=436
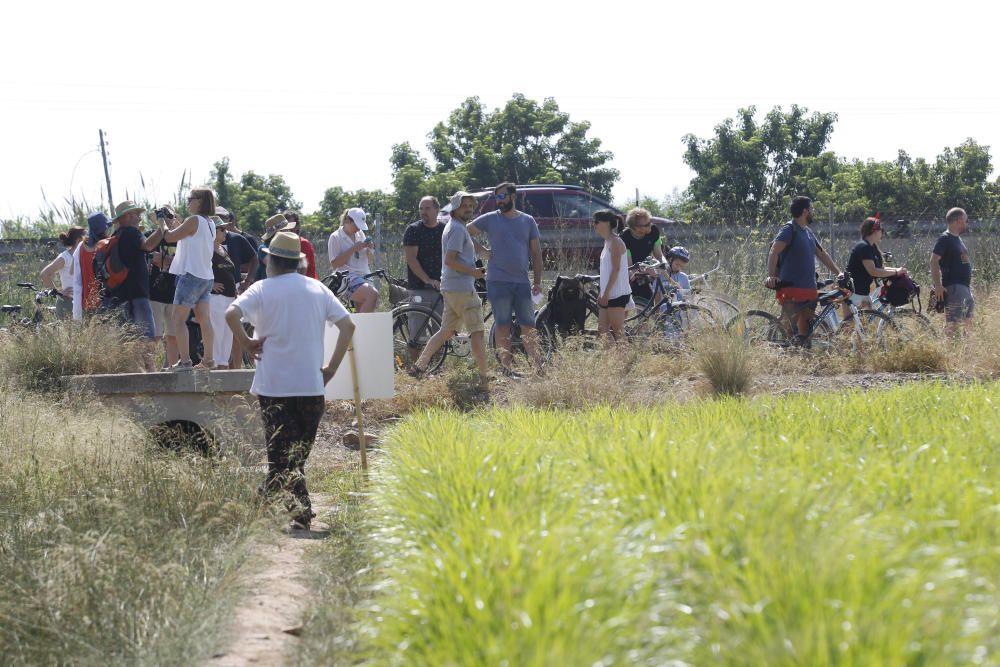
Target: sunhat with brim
x=285 y=244
x=126 y=207
x=219 y=222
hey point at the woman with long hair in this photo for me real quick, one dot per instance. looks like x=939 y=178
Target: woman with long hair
x=615 y=292
x=64 y=267
x=192 y=265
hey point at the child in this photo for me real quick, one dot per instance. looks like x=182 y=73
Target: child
x=677 y=258
x=615 y=292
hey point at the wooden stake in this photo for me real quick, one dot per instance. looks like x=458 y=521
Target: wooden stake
x=357 y=408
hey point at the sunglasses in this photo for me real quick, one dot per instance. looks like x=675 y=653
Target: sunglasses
x=500 y=196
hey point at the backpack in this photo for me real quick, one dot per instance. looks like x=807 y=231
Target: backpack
x=109 y=269
x=567 y=306
x=899 y=291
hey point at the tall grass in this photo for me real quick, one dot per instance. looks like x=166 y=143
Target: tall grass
x=812 y=530
x=111 y=552
x=36 y=359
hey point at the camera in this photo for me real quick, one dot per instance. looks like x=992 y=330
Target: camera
x=164 y=212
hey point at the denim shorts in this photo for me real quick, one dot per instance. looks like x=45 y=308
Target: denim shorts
x=192 y=290
x=140 y=313
x=511 y=299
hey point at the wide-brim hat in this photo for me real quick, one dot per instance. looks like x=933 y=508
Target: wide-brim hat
x=126 y=207
x=285 y=244
x=219 y=222
x=97 y=222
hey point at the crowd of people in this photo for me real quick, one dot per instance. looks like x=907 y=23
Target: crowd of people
x=204 y=265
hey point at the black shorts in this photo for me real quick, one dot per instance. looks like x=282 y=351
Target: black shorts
x=618 y=302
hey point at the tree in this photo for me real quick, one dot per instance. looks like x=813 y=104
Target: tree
x=254 y=198
x=745 y=173
x=522 y=142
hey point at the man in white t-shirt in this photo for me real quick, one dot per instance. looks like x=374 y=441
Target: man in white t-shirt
x=289 y=313
x=349 y=249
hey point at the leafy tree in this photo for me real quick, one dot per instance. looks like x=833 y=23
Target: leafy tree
x=254 y=198
x=744 y=173
x=523 y=142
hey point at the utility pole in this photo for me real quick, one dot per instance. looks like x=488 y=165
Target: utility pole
x=637 y=197
x=107 y=174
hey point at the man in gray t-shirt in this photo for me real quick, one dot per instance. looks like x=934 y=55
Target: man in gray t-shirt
x=462 y=307
x=513 y=237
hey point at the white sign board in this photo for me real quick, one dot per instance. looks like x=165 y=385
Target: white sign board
x=374 y=355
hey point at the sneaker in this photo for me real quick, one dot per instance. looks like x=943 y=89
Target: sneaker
x=415 y=371
x=510 y=373
x=182 y=366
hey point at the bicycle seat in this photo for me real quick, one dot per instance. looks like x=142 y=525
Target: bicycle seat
x=827 y=297
x=10 y=309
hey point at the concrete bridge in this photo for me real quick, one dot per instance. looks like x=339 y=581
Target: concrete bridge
x=213 y=407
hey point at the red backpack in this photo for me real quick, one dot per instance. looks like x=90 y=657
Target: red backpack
x=109 y=269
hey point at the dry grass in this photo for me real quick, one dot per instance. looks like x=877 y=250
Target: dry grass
x=36 y=359
x=727 y=364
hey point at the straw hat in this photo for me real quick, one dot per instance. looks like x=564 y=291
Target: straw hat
x=285 y=244
x=126 y=207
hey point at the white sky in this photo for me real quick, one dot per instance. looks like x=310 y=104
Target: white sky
x=319 y=92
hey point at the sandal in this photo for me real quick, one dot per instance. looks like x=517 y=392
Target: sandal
x=205 y=364
x=182 y=366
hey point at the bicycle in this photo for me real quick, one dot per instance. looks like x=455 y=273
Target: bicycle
x=42 y=311
x=665 y=319
x=867 y=327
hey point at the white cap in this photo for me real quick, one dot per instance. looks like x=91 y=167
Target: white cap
x=357 y=215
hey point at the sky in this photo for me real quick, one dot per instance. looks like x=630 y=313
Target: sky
x=319 y=92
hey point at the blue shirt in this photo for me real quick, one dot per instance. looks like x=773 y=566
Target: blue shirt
x=798 y=260
x=510 y=245
x=456 y=237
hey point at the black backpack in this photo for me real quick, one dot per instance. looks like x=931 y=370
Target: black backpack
x=567 y=310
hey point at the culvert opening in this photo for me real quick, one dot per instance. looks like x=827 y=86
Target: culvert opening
x=184 y=436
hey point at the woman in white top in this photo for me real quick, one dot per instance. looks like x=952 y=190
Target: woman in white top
x=63 y=265
x=615 y=291
x=192 y=264
x=349 y=249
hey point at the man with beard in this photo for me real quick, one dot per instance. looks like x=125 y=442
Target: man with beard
x=422 y=247
x=513 y=237
x=462 y=307
x=791 y=268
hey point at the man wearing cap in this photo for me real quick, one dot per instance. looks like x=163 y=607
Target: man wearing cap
x=86 y=290
x=514 y=240
x=349 y=249
x=422 y=248
x=307 y=246
x=289 y=313
x=462 y=307
x=133 y=293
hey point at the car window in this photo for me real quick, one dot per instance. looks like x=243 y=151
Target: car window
x=536 y=204
x=578 y=205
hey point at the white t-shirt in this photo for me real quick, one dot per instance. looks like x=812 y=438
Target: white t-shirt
x=619 y=282
x=290 y=313
x=339 y=243
x=66 y=272
x=194 y=252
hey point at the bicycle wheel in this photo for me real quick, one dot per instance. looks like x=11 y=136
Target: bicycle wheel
x=881 y=333
x=412 y=327
x=913 y=324
x=724 y=311
x=678 y=324
x=759 y=328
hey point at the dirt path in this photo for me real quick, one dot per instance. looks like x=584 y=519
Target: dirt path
x=267 y=621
